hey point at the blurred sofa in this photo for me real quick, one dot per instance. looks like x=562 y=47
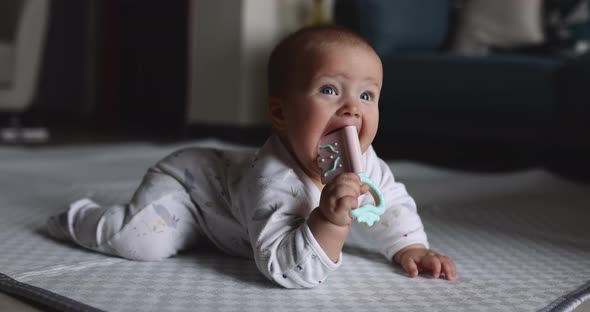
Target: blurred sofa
x=506 y=104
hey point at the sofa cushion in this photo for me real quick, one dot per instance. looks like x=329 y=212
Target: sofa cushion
x=499 y=23
x=574 y=79
x=394 y=26
x=447 y=82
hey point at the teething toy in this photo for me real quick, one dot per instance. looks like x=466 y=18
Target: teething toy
x=340 y=151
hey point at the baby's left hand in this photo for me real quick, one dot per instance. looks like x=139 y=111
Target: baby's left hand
x=419 y=259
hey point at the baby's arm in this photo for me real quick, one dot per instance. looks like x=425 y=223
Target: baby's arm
x=399 y=234
x=330 y=222
x=285 y=249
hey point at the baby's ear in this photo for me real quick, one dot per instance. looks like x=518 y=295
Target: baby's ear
x=275 y=108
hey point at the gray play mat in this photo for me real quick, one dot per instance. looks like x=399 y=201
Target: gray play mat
x=521 y=242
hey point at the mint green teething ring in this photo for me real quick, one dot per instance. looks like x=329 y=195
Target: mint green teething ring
x=370 y=213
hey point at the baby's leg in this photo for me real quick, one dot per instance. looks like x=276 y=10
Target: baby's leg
x=157 y=223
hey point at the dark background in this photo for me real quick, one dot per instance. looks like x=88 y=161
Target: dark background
x=117 y=70
x=113 y=69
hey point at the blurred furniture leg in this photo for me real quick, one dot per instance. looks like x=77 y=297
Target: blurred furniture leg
x=20 y=63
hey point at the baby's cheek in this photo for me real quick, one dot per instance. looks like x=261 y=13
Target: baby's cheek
x=367 y=138
x=365 y=143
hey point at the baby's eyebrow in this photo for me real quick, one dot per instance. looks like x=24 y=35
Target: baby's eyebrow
x=328 y=76
x=367 y=82
x=371 y=82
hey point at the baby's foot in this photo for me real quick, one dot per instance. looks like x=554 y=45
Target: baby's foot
x=57 y=226
x=60 y=226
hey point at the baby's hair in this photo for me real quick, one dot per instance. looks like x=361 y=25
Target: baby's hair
x=296 y=45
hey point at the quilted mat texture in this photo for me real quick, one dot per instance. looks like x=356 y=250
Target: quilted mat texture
x=521 y=242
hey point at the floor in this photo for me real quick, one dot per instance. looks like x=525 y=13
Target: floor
x=8 y=303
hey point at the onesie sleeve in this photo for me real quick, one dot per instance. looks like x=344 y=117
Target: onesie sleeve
x=400 y=225
x=274 y=203
x=285 y=250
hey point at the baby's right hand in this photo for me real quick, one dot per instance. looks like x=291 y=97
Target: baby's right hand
x=340 y=196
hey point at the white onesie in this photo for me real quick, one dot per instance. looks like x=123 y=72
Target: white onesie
x=250 y=204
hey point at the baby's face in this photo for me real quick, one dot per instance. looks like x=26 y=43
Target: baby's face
x=340 y=87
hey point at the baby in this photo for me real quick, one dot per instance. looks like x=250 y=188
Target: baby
x=270 y=205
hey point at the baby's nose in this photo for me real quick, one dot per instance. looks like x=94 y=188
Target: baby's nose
x=350 y=109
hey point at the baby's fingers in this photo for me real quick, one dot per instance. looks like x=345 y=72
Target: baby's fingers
x=409 y=265
x=364 y=189
x=448 y=267
x=346 y=191
x=432 y=263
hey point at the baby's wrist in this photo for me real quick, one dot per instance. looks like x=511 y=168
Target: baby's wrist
x=398 y=255
x=330 y=236
x=322 y=217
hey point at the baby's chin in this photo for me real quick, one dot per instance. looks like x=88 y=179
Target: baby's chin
x=365 y=141
x=313 y=164
x=307 y=158
x=364 y=147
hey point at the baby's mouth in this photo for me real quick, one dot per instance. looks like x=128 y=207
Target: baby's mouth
x=334 y=129
x=339 y=151
x=330 y=130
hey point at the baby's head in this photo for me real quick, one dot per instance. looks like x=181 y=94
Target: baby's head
x=321 y=79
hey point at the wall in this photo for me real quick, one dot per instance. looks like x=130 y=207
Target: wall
x=229 y=45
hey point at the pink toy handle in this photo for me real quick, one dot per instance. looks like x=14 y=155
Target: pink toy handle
x=355 y=157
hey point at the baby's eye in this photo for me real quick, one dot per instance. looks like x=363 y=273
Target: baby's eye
x=328 y=90
x=365 y=96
